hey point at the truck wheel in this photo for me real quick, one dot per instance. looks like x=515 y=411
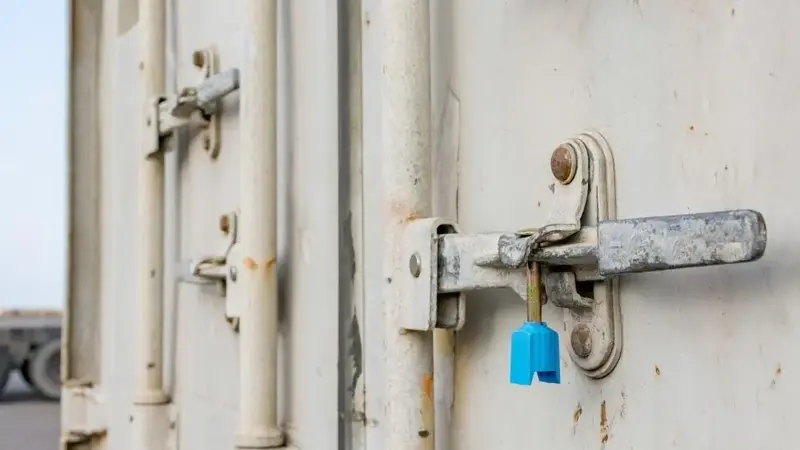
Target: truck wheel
x=44 y=370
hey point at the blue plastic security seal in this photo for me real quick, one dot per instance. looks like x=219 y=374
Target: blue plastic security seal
x=535 y=351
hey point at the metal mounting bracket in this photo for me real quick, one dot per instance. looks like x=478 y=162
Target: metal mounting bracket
x=594 y=322
x=218 y=269
x=425 y=307
x=581 y=251
x=197 y=106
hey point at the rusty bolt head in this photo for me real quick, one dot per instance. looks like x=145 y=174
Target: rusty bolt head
x=581 y=341
x=225 y=224
x=563 y=163
x=199 y=59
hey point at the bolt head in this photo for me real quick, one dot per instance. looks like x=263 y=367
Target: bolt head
x=563 y=163
x=199 y=59
x=224 y=224
x=415 y=265
x=581 y=341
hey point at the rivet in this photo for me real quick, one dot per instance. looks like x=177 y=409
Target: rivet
x=224 y=224
x=415 y=265
x=233 y=273
x=563 y=163
x=581 y=341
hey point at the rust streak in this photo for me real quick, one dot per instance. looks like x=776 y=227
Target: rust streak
x=576 y=417
x=271 y=262
x=427 y=386
x=603 y=423
x=250 y=263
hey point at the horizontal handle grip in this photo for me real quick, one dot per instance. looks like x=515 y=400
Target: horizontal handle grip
x=672 y=242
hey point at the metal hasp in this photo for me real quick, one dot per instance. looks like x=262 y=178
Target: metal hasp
x=197 y=106
x=218 y=269
x=581 y=248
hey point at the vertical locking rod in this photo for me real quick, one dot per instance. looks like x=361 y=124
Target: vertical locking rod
x=407 y=197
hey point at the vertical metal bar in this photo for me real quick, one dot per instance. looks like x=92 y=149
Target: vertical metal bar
x=150 y=421
x=258 y=327
x=407 y=196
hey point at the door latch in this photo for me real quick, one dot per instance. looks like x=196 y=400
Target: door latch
x=197 y=106
x=580 y=252
x=218 y=269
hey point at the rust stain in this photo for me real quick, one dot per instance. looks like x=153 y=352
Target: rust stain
x=250 y=263
x=603 y=423
x=576 y=417
x=413 y=216
x=658 y=371
x=427 y=386
x=271 y=262
x=778 y=373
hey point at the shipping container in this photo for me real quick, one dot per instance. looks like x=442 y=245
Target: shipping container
x=416 y=224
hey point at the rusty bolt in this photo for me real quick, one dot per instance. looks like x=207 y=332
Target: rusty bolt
x=224 y=224
x=563 y=163
x=199 y=59
x=581 y=341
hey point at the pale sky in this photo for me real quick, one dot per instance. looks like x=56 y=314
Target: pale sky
x=33 y=80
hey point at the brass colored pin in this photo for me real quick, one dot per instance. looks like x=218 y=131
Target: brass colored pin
x=534 y=293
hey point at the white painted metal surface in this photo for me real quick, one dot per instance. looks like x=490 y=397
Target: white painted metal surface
x=693 y=97
x=258 y=230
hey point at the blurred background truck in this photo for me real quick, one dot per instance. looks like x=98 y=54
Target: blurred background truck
x=30 y=342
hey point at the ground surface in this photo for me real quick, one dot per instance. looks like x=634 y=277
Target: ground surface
x=26 y=421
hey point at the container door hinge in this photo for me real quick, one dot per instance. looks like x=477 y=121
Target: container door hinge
x=196 y=106
x=219 y=269
x=581 y=249
x=82 y=412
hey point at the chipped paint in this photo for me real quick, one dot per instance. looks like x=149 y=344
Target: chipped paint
x=250 y=263
x=576 y=417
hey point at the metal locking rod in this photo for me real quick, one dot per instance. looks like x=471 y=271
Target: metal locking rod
x=213 y=89
x=663 y=243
